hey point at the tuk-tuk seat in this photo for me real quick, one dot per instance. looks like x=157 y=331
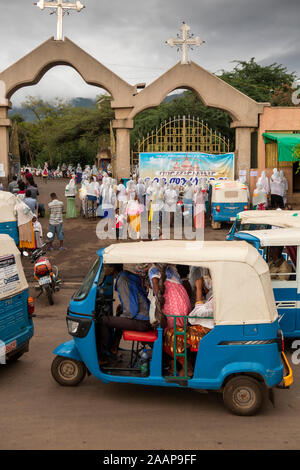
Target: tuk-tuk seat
x=140 y=336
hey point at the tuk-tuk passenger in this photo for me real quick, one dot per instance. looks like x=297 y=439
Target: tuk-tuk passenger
x=204 y=309
x=176 y=302
x=277 y=264
x=135 y=310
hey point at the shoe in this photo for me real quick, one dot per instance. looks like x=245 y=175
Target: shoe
x=61 y=248
x=103 y=360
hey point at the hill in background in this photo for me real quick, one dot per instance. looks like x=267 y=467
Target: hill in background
x=78 y=102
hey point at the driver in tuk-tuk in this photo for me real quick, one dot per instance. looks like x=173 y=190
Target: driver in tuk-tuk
x=277 y=264
x=134 y=312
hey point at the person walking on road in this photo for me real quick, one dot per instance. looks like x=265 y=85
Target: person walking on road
x=56 y=220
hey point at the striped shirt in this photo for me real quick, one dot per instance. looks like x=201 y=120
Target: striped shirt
x=56 y=210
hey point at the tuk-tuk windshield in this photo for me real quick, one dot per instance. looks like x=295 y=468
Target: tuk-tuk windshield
x=247 y=227
x=87 y=282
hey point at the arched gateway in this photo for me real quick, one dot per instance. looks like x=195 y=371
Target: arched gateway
x=127 y=100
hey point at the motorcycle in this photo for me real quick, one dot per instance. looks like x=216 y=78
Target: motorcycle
x=44 y=273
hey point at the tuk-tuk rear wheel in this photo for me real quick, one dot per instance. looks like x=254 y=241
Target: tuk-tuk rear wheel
x=243 y=396
x=215 y=225
x=67 y=372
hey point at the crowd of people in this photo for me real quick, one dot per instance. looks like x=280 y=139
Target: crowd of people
x=159 y=294
x=271 y=192
x=27 y=209
x=67 y=171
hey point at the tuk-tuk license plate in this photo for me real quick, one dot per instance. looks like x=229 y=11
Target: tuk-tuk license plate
x=44 y=280
x=232 y=219
x=11 y=346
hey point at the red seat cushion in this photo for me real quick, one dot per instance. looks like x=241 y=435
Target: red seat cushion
x=142 y=336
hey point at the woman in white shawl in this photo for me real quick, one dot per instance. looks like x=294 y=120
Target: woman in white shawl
x=170 y=201
x=277 y=190
x=70 y=193
x=26 y=233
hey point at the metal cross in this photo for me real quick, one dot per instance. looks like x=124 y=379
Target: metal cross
x=185 y=42
x=61 y=6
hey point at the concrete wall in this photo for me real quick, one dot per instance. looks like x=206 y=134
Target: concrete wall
x=277 y=118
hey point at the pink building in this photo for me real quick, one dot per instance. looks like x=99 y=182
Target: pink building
x=277 y=119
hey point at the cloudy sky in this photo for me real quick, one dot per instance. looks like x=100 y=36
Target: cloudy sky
x=128 y=36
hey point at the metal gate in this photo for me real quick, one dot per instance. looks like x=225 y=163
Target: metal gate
x=181 y=134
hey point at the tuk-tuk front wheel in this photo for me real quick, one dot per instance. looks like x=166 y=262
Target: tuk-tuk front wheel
x=243 y=396
x=67 y=372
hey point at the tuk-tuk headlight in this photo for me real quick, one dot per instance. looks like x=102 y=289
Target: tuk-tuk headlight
x=78 y=327
x=72 y=326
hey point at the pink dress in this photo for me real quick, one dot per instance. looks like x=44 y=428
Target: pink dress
x=177 y=301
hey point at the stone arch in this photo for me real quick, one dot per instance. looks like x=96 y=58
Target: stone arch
x=127 y=102
x=31 y=68
x=213 y=91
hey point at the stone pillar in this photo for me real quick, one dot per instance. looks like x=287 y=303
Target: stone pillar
x=4 y=141
x=243 y=151
x=122 y=164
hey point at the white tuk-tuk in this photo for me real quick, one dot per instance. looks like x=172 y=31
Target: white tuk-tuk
x=285 y=273
x=8 y=218
x=226 y=200
x=261 y=220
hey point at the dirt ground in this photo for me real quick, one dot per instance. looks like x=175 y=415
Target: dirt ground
x=37 y=413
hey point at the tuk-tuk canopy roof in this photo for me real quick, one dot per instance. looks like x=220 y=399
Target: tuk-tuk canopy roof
x=277 y=237
x=284 y=219
x=8 y=285
x=7 y=205
x=229 y=191
x=228 y=184
x=242 y=287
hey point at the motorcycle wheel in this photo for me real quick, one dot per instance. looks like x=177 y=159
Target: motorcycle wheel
x=49 y=294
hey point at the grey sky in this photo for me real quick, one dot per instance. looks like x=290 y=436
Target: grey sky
x=129 y=37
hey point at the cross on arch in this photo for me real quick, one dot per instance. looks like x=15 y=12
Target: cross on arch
x=187 y=40
x=60 y=6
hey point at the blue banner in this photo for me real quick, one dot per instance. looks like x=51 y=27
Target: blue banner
x=181 y=167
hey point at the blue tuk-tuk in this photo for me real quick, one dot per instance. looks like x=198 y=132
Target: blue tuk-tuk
x=285 y=282
x=241 y=356
x=16 y=306
x=8 y=218
x=225 y=200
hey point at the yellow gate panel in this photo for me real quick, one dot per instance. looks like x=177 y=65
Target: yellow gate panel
x=182 y=134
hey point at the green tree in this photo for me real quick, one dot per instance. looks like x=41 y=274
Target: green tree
x=259 y=82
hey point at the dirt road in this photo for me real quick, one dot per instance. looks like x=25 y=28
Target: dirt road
x=37 y=413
